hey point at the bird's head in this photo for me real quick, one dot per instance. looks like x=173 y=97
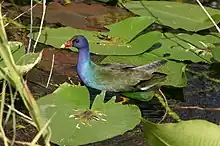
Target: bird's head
x=77 y=41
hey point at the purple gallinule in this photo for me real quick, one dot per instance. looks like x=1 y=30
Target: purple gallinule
x=114 y=77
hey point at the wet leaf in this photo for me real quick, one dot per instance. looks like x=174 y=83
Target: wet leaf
x=114 y=42
x=190 y=133
x=175 y=14
x=75 y=123
x=175 y=71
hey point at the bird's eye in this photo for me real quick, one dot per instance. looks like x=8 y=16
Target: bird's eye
x=76 y=40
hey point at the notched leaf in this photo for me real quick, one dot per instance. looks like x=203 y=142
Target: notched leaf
x=82 y=124
x=197 y=133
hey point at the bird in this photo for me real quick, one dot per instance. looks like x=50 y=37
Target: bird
x=114 y=77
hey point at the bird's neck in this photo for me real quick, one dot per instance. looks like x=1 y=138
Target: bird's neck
x=83 y=59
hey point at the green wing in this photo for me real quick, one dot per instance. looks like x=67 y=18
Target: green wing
x=122 y=77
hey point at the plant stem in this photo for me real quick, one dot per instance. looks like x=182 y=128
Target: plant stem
x=1 y=114
x=203 y=74
x=17 y=79
x=166 y=106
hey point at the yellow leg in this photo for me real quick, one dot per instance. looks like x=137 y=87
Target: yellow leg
x=71 y=81
x=122 y=99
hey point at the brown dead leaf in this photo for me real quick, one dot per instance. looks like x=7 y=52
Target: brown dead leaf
x=81 y=15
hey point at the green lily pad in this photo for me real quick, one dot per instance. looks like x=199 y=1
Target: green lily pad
x=174 y=14
x=186 y=47
x=184 y=133
x=216 y=53
x=141 y=96
x=130 y=27
x=74 y=123
x=114 y=42
x=175 y=71
x=176 y=75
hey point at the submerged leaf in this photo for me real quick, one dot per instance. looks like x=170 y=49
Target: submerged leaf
x=80 y=124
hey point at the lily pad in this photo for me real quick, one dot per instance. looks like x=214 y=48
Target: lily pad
x=130 y=27
x=175 y=71
x=216 y=53
x=174 y=14
x=141 y=96
x=186 y=47
x=114 y=42
x=184 y=133
x=74 y=123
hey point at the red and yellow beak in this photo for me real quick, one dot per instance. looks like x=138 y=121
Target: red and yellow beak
x=68 y=44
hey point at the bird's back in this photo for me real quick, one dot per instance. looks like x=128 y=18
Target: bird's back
x=122 y=78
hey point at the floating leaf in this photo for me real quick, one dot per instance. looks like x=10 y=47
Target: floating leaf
x=175 y=74
x=130 y=27
x=58 y=36
x=114 y=42
x=184 y=133
x=174 y=14
x=216 y=53
x=186 y=47
x=175 y=71
x=75 y=123
x=141 y=96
